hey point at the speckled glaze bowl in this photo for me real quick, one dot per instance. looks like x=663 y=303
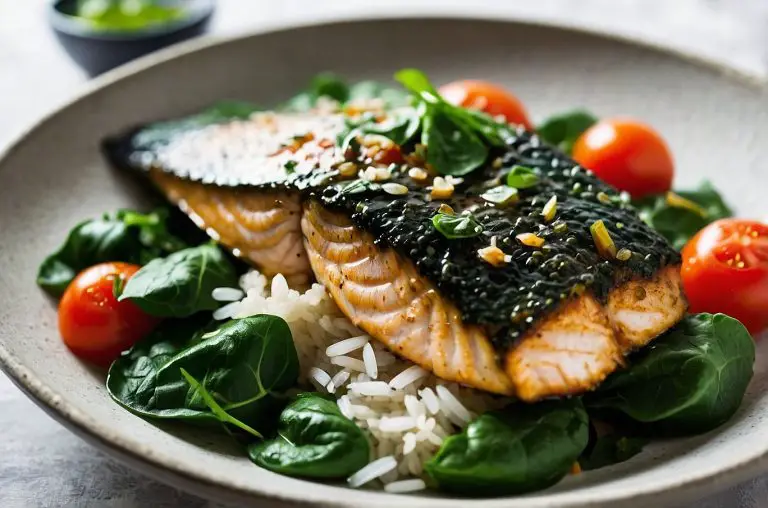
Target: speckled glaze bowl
x=54 y=176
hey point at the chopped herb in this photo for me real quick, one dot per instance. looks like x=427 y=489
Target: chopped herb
x=501 y=196
x=457 y=226
x=521 y=177
x=359 y=186
x=603 y=241
x=290 y=166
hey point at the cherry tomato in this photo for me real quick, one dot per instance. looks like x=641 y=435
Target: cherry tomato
x=93 y=324
x=487 y=97
x=627 y=154
x=725 y=269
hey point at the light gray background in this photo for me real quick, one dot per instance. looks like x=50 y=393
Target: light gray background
x=42 y=464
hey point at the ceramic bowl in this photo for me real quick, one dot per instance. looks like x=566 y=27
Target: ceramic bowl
x=97 y=50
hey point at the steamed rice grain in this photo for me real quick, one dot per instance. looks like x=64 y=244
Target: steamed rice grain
x=406 y=411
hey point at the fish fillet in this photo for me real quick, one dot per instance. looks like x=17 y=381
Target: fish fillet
x=550 y=320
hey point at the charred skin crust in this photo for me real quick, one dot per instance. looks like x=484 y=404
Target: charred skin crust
x=508 y=299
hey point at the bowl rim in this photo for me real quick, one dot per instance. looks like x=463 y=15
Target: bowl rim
x=198 y=11
x=148 y=462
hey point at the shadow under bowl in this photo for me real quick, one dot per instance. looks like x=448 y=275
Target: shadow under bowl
x=98 y=49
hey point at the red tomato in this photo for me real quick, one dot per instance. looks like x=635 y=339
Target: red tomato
x=487 y=97
x=725 y=269
x=627 y=154
x=93 y=324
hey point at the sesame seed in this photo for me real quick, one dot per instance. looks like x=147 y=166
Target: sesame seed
x=418 y=174
x=395 y=189
x=348 y=169
x=624 y=254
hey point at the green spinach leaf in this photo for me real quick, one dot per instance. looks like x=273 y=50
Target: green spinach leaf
x=677 y=220
x=457 y=140
x=563 y=130
x=452 y=146
x=125 y=236
x=244 y=365
x=611 y=449
x=367 y=90
x=325 y=84
x=181 y=284
x=314 y=441
x=519 y=449
x=521 y=177
x=690 y=380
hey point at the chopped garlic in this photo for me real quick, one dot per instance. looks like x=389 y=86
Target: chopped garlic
x=418 y=174
x=550 y=209
x=441 y=188
x=347 y=169
x=530 y=239
x=446 y=209
x=374 y=174
x=494 y=256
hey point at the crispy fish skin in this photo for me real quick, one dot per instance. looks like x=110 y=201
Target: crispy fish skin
x=571 y=351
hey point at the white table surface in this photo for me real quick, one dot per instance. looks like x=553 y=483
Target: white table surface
x=41 y=463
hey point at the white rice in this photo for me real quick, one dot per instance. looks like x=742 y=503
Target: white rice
x=406 y=411
x=227 y=294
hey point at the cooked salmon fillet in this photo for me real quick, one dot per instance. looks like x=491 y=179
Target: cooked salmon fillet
x=552 y=316
x=569 y=352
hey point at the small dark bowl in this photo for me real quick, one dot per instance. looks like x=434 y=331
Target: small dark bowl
x=97 y=50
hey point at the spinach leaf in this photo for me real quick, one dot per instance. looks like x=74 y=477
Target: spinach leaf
x=690 y=380
x=519 y=449
x=181 y=284
x=679 y=220
x=453 y=226
x=563 y=130
x=457 y=140
x=367 y=90
x=243 y=365
x=325 y=84
x=125 y=236
x=314 y=441
x=400 y=127
x=452 y=146
x=611 y=449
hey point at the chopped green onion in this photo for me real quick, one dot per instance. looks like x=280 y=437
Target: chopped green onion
x=521 y=177
x=678 y=201
x=501 y=195
x=602 y=238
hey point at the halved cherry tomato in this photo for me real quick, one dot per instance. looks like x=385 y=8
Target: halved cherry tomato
x=487 y=97
x=93 y=324
x=725 y=269
x=627 y=154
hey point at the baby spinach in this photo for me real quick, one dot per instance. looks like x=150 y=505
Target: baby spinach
x=368 y=90
x=181 y=284
x=314 y=441
x=124 y=236
x=521 y=177
x=519 y=449
x=453 y=226
x=243 y=365
x=611 y=449
x=325 y=84
x=679 y=223
x=563 y=130
x=458 y=140
x=690 y=380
